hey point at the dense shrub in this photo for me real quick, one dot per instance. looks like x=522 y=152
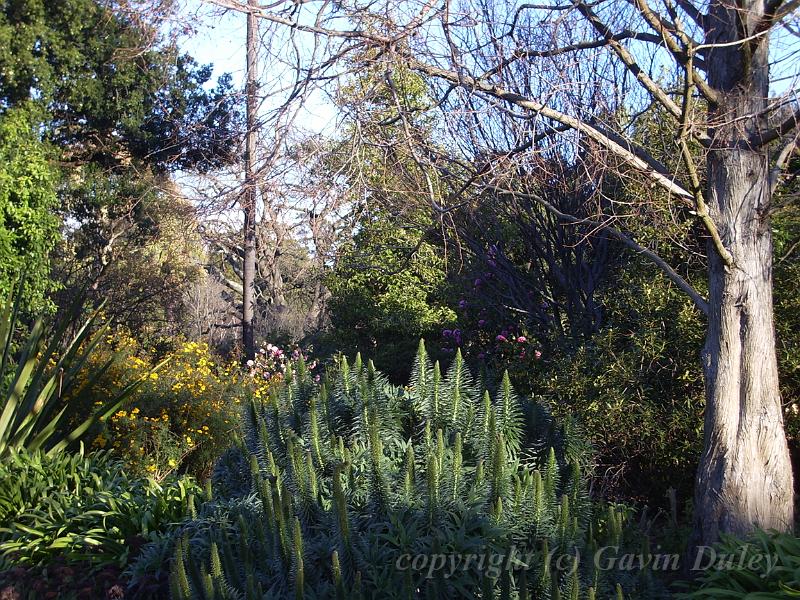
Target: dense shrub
x=636 y=387
x=40 y=370
x=179 y=419
x=336 y=483
x=82 y=508
x=786 y=227
x=388 y=289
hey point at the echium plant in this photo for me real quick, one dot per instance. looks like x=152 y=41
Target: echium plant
x=352 y=488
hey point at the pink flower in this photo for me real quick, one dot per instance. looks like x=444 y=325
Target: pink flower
x=522 y=339
x=537 y=354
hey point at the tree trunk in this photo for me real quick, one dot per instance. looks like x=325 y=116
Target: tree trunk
x=249 y=196
x=745 y=475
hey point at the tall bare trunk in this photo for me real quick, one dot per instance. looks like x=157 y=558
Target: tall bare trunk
x=745 y=476
x=249 y=196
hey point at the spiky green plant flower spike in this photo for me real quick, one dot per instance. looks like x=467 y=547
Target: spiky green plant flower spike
x=356 y=486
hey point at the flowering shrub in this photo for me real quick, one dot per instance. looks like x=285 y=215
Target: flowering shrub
x=499 y=349
x=271 y=363
x=180 y=419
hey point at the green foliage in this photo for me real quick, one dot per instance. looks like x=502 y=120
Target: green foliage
x=636 y=387
x=763 y=567
x=389 y=285
x=387 y=290
x=28 y=226
x=81 y=508
x=113 y=90
x=786 y=232
x=120 y=107
x=32 y=390
x=179 y=419
x=333 y=484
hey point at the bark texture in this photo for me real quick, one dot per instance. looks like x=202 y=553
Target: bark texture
x=249 y=196
x=745 y=475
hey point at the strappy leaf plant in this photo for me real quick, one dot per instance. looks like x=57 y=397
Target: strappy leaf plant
x=36 y=376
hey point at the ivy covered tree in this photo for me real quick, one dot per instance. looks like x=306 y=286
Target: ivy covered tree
x=125 y=108
x=28 y=226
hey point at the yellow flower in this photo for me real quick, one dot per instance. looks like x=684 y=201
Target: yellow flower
x=172 y=462
x=154 y=376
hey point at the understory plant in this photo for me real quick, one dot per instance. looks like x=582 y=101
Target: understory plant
x=38 y=373
x=82 y=508
x=766 y=565
x=354 y=488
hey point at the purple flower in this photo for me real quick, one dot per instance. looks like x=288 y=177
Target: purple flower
x=501 y=338
x=462 y=304
x=482 y=322
x=457 y=336
x=481 y=355
x=446 y=333
x=478 y=282
x=491 y=263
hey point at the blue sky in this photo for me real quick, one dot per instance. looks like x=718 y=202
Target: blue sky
x=220 y=40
